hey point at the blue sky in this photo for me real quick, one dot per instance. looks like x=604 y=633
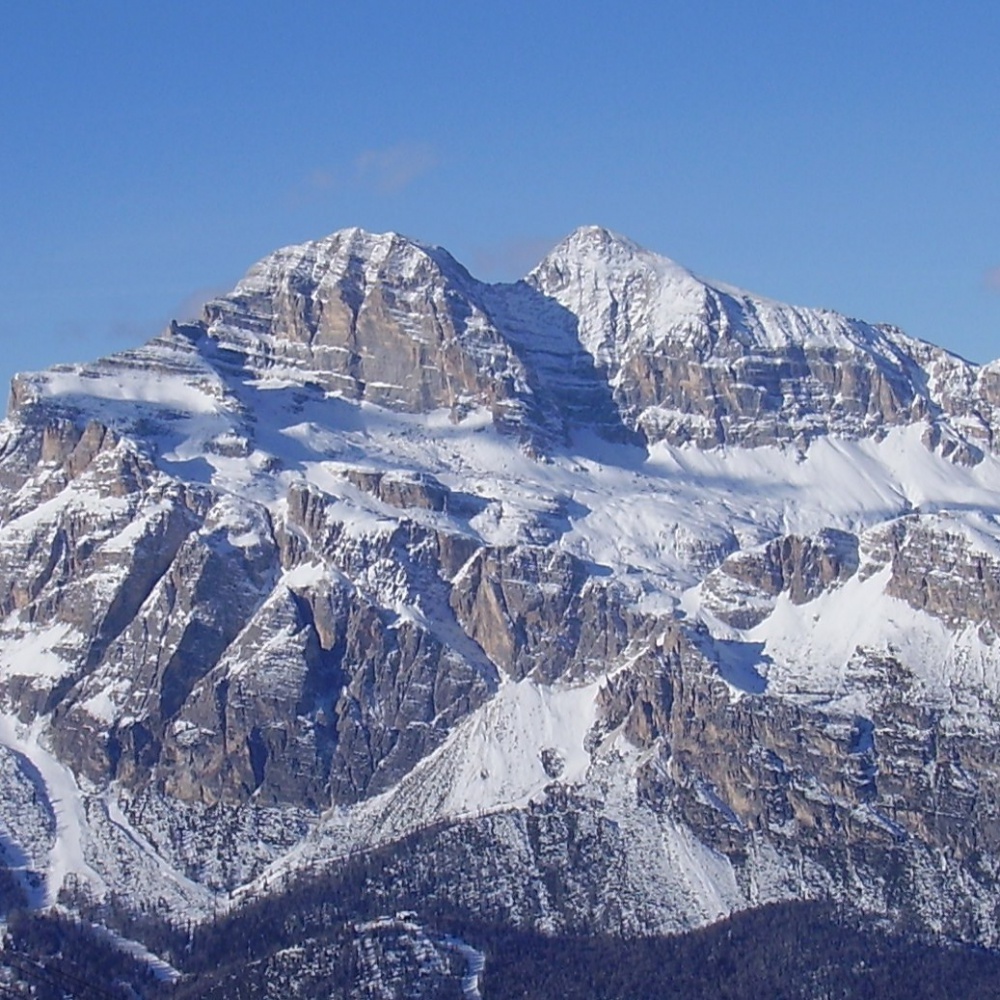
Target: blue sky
x=830 y=154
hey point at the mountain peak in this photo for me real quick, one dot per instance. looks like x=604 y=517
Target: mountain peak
x=350 y=251
x=602 y=239
x=590 y=246
x=602 y=332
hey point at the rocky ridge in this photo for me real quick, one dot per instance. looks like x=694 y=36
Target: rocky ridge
x=635 y=599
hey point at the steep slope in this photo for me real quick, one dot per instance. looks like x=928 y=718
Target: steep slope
x=624 y=599
x=695 y=361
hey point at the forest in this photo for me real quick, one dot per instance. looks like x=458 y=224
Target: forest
x=302 y=943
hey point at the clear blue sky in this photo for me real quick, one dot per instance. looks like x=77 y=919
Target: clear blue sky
x=831 y=154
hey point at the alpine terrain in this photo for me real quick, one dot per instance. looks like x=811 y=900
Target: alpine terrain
x=385 y=618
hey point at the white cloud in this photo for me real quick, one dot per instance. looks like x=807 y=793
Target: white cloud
x=391 y=169
x=314 y=186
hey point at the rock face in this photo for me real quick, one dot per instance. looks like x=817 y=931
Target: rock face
x=378 y=318
x=743 y=590
x=694 y=362
x=629 y=599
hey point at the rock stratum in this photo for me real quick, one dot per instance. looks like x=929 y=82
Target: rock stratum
x=626 y=600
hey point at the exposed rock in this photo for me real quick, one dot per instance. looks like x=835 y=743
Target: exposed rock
x=944 y=567
x=401 y=489
x=536 y=613
x=741 y=591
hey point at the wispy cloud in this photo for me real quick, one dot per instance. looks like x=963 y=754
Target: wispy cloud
x=391 y=169
x=112 y=334
x=386 y=171
x=510 y=259
x=127 y=331
x=320 y=179
x=315 y=185
x=75 y=341
x=992 y=279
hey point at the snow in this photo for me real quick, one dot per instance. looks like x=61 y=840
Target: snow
x=29 y=651
x=306 y=574
x=684 y=509
x=105 y=704
x=27 y=826
x=150 y=855
x=75 y=501
x=175 y=393
x=140 y=525
x=493 y=759
x=61 y=790
x=475 y=963
x=627 y=297
x=706 y=875
x=81 y=844
x=684 y=506
x=162 y=970
x=502 y=745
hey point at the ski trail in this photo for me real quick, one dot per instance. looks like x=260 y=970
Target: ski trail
x=63 y=794
x=475 y=962
x=161 y=969
x=142 y=844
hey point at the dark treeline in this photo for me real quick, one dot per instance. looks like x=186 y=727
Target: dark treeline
x=51 y=956
x=789 y=951
x=300 y=940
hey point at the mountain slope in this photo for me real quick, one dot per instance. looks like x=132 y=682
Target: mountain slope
x=634 y=599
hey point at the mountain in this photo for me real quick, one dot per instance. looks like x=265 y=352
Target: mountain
x=610 y=601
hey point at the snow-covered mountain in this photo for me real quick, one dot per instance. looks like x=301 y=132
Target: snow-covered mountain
x=639 y=599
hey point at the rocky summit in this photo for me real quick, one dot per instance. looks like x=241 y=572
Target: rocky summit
x=623 y=600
